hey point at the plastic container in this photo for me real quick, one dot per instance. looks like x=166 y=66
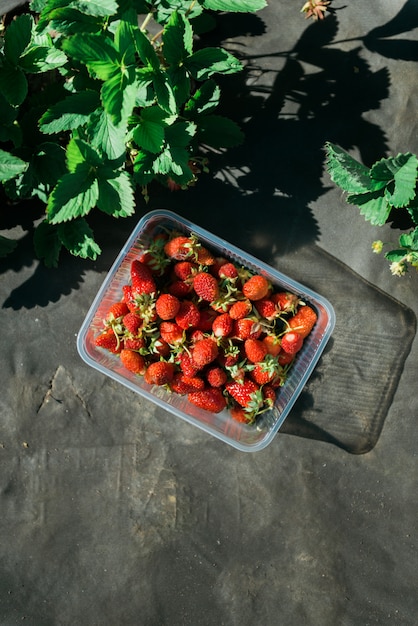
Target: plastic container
x=250 y=438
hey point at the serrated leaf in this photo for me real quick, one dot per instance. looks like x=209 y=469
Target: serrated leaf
x=119 y=95
x=149 y=136
x=395 y=256
x=162 y=164
x=247 y=6
x=96 y=52
x=79 y=152
x=124 y=38
x=69 y=22
x=180 y=81
x=409 y=240
x=11 y=166
x=180 y=158
x=143 y=168
x=13 y=83
x=164 y=92
x=38 y=59
x=77 y=238
x=346 y=172
x=219 y=132
x=405 y=183
x=373 y=206
x=208 y=61
x=96 y=8
x=70 y=113
x=17 y=37
x=204 y=100
x=181 y=133
x=107 y=137
x=413 y=210
x=74 y=195
x=47 y=243
x=177 y=39
x=145 y=50
x=116 y=196
x=6 y=246
x=49 y=163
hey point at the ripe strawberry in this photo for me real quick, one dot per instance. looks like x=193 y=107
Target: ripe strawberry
x=167 y=306
x=132 y=322
x=222 y=325
x=204 y=257
x=183 y=384
x=292 y=342
x=188 y=315
x=154 y=256
x=133 y=361
x=179 y=248
x=159 y=373
x=256 y=288
x=273 y=344
x=303 y=321
x=284 y=358
x=171 y=332
x=160 y=347
x=255 y=350
x=142 y=278
x=266 y=308
x=128 y=297
x=204 y=352
x=216 y=376
x=246 y=328
x=265 y=371
x=180 y=288
x=206 y=286
x=228 y=270
x=184 y=269
x=240 y=415
x=211 y=399
x=109 y=340
x=207 y=317
x=286 y=301
x=269 y=395
x=135 y=343
x=116 y=310
x=240 y=309
x=187 y=366
x=247 y=394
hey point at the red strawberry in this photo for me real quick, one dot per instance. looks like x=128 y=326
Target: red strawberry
x=159 y=346
x=206 y=286
x=204 y=257
x=265 y=371
x=222 y=325
x=188 y=315
x=273 y=344
x=256 y=288
x=240 y=309
x=204 y=352
x=292 y=342
x=183 y=384
x=240 y=415
x=133 y=361
x=128 y=297
x=179 y=248
x=228 y=270
x=180 y=288
x=211 y=399
x=184 y=269
x=245 y=328
x=134 y=343
x=167 y=306
x=171 y=332
x=207 y=317
x=187 y=366
x=247 y=394
x=159 y=373
x=109 y=340
x=216 y=376
x=285 y=358
x=303 y=321
x=142 y=278
x=269 y=395
x=132 y=322
x=118 y=309
x=154 y=256
x=255 y=350
x=286 y=301
x=266 y=308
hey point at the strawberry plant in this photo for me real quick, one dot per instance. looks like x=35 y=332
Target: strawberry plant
x=381 y=192
x=97 y=103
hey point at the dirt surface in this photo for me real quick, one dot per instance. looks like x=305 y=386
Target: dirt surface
x=112 y=511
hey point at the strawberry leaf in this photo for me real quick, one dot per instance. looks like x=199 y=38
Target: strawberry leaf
x=77 y=237
x=116 y=196
x=373 y=206
x=405 y=177
x=119 y=95
x=107 y=137
x=74 y=195
x=17 y=37
x=97 y=8
x=95 y=51
x=13 y=83
x=204 y=100
x=346 y=172
x=11 y=166
x=70 y=113
x=177 y=39
x=208 y=61
x=234 y=5
x=47 y=244
x=218 y=131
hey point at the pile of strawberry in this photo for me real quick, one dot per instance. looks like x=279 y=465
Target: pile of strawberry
x=204 y=327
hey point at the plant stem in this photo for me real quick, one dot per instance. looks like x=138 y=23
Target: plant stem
x=144 y=24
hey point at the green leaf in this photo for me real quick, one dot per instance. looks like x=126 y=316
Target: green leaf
x=219 y=131
x=70 y=113
x=69 y=22
x=49 y=163
x=74 y=195
x=180 y=81
x=395 y=256
x=77 y=237
x=177 y=39
x=145 y=50
x=11 y=166
x=79 y=152
x=204 y=100
x=405 y=181
x=97 y=8
x=107 y=137
x=413 y=210
x=13 y=83
x=116 y=196
x=17 y=37
x=47 y=243
x=208 y=61
x=119 y=95
x=149 y=136
x=38 y=59
x=247 y=6
x=163 y=163
x=373 y=206
x=164 y=92
x=124 y=37
x=180 y=134
x=143 y=168
x=409 y=240
x=6 y=246
x=346 y=172
x=96 y=52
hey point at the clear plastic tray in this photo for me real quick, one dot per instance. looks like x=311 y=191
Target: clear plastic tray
x=250 y=438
